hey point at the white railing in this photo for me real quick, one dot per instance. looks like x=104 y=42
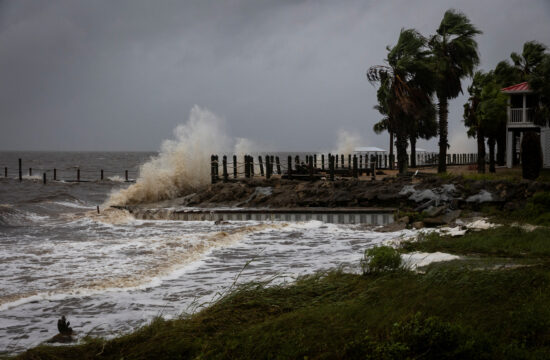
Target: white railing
x=517 y=115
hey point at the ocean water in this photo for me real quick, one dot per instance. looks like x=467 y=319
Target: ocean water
x=110 y=273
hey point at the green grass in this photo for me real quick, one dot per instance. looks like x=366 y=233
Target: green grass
x=483 y=314
x=504 y=241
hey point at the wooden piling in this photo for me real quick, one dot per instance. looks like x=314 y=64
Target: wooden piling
x=310 y=168
x=101 y=174
x=55 y=174
x=278 y=165
x=30 y=171
x=373 y=171
x=349 y=162
x=212 y=171
x=234 y=166
x=251 y=163
x=322 y=162
x=97 y=207
x=126 y=175
x=355 y=174
x=225 y=174
x=6 y=171
x=246 y=167
x=336 y=160
x=77 y=174
x=262 y=164
x=289 y=167
x=331 y=166
x=43 y=178
x=20 y=171
x=342 y=161
x=268 y=167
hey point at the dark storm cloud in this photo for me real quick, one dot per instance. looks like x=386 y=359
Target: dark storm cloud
x=120 y=75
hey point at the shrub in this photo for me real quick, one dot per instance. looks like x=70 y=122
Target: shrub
x=379 y=259
x=531 y=155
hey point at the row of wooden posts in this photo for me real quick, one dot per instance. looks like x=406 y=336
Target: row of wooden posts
x=44 y=178
x=356 y=166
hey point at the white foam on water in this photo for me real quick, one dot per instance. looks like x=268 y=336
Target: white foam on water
x=110 y=277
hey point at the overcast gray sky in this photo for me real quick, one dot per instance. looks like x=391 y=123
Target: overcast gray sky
x=120 y=75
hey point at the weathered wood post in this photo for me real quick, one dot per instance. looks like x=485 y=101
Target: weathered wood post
x=217 y=168
x=360 y=165
x=212 y=171
x=251 y=166
x=246 y=167
x=342 y=161
x=315 y=160
x=5 y=171
x=234 y=166
x=78 y=174
x=336 y=160
x=331 y=166
x=225 y=174
x=296 y=162
x=54 y=174
x=310 y=168
x=267 y=167
x=100 y=175
x=278 y=165
x=322 y=162
x=349 y=162
x=126 y=175
x=44 y=178
x=30 y=171
x=289 y=167
x=262 y=164
x=20 y=171
x=355 y=166
x=373 y=171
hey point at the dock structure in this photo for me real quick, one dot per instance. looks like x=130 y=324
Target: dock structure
x=368 y=216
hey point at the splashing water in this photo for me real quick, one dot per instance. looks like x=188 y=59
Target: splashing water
x=347 y=142
x=183 y=164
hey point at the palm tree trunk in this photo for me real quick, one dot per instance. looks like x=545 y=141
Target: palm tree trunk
x=401 y=145
x=391 y=150
x=443 y=115
x=492 y=154
x=413 y=151
x=480 y=151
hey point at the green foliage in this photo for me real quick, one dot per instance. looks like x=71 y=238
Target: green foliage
x=379 y=259
x=504 y=241
x=531 y=155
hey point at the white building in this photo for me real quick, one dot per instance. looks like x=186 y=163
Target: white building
x=521 y=102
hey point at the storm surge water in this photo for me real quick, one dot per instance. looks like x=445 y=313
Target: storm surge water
x=182 y=165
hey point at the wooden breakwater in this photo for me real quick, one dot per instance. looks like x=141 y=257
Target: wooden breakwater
x=368 y=216
x=78 y=174
x=317 y=166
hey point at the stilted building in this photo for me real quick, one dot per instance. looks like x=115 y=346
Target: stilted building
x=521 y=102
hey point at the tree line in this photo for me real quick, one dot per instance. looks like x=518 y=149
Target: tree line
x=421 y=74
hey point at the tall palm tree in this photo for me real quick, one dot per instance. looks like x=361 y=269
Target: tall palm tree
x=472 y=119
x=455 y=56
x=406 y=83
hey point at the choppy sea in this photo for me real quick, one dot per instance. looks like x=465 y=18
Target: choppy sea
x=112 y=273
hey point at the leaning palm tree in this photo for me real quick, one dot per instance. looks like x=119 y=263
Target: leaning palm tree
x=455 y=56
x=406 y=83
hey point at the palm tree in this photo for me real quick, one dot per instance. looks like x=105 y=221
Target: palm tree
x=406 y=83
x=472 y=119
x=455 y=56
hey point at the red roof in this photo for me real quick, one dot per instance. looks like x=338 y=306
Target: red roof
x=523 y=87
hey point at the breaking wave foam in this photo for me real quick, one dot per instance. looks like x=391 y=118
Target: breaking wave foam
x=183 y=164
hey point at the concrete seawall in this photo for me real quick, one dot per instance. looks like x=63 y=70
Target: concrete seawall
x=369 y=216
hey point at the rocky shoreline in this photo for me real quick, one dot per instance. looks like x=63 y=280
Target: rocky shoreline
x=439 y=200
